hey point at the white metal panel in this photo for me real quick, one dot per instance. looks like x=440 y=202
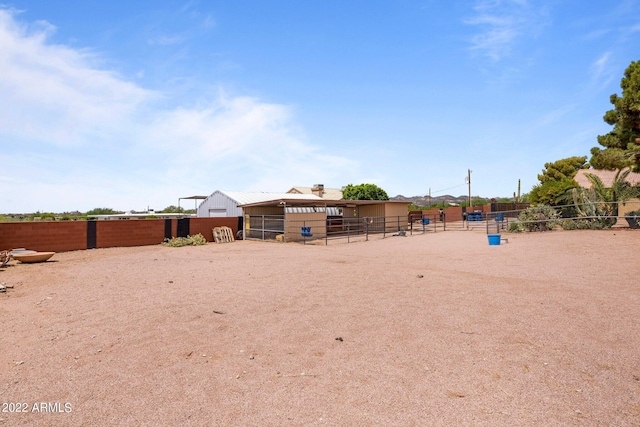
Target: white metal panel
x=230 y=200
x=292 y=209
x=218 y=201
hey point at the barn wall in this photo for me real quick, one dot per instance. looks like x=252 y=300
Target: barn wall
x=396 y=209
x=218 y=200
x=264 y=210
x=376 y=210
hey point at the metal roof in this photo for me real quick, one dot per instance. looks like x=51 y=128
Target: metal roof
x=243 y=198
x=288 y=202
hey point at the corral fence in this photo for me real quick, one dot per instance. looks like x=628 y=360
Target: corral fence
x=496 y=222
x=278 y=228
x=338 y=228
x=592 y=215
x=264 y=227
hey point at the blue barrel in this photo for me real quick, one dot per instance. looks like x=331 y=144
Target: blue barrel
x=494 y=239
x=499 y=217
x=425 y=221
x=474 y=216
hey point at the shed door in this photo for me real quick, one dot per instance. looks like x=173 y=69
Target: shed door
x=217 y=212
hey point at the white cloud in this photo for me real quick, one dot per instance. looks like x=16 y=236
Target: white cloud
x=602 y=71
x=83 y=137
x=242 y=141
x=54 y=94
x=600 y=65
x=555 y=116
x=501 y=24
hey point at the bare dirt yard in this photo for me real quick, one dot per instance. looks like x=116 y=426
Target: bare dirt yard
x=435 y=329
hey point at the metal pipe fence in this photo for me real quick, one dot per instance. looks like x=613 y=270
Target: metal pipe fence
x=592 y=215
x=264 y=227
x=278 y=228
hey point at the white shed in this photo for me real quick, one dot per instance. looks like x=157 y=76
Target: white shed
x=225 y=203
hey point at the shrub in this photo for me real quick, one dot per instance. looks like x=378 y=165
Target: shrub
x=515 y=227
x=580 y=224
x=535 y=218
x=176 y=242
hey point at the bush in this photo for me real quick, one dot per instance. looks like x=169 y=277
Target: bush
x=176 y=242
x=580 y=224
x=515 y=227
x=536 y=218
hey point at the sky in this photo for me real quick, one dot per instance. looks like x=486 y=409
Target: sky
x=134 y=105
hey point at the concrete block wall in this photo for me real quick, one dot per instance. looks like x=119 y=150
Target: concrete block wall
x=205 y=226
x=64 y=236
x=44 y=236
x=135 y=232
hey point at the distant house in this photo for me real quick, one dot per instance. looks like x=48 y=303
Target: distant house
x=607 y=178
x=318 y=190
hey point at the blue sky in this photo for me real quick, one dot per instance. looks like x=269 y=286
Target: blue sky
x=133 y=105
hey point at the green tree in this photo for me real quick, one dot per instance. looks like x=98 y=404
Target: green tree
x=552 y=193
x=101 y=211
x=364 y=192
x=622 y=144
x=173 y=209
x=555 y=180
x=562 y=169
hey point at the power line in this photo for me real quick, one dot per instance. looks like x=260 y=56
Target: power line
x=450 y=188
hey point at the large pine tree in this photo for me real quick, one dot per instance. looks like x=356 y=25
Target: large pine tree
x=622 y=144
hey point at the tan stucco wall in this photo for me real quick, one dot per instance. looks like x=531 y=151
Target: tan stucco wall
x=631 y=205
x=396 y=209
x=371 y=210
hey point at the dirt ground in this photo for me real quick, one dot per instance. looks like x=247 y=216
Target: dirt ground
x=435 y=329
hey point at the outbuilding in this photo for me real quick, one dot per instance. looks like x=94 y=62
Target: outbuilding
x=227 y=203
x=289 y=219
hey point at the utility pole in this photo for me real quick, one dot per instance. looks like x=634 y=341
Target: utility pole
x=469 y=183
x=429 y=197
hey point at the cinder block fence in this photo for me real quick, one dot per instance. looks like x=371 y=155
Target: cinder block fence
x=63 y=236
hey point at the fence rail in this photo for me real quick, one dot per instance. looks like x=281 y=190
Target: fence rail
x=593 y=215
x=278 y=228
